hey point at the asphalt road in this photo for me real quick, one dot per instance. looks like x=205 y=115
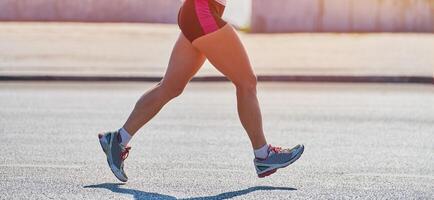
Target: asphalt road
x=363 y=141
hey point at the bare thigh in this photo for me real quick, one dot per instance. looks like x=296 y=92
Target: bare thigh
x=184 y=62
x=225 y=51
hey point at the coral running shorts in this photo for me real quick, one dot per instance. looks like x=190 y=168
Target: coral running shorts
x=197 y=18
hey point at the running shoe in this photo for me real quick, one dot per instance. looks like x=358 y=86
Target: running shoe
x=116 y=153
x=277 y=158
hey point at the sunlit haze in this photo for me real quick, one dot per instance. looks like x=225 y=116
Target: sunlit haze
x=238 y=12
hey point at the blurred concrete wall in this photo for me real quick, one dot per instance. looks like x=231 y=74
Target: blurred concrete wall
x=267 y=15
x=163 y=11
x=342 y=16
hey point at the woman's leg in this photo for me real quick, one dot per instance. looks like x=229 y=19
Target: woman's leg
x=184 y=62
x=225 y=51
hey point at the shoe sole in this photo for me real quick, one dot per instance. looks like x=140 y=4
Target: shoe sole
x=275 y=168
x=105 y=147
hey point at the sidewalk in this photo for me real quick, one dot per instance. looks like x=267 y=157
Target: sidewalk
x=143 y=50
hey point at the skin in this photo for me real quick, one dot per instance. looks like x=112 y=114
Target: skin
x=225 y=51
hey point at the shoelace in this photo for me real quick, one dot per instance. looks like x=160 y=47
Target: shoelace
x=125 y=153
x=275 y=149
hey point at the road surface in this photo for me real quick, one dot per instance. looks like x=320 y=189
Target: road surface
x=363 y=141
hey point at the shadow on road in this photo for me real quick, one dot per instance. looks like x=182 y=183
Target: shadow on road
x=115 y=187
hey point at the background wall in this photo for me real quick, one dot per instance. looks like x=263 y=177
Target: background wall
x=161 y=11
x=238 y=12
x=343 y=16
x=266 y=15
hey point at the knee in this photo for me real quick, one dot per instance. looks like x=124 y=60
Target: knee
x=247 y=86
x=170 y=91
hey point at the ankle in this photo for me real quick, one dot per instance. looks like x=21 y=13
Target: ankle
x=261 y=152
x=125 y=136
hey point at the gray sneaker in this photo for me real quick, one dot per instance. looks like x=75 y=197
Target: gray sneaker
x=277 y=158
x=116 y=153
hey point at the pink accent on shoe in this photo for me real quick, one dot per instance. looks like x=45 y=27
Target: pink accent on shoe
x=125 y=153
x=265 y=174
x=271 y=148
x=274 y=149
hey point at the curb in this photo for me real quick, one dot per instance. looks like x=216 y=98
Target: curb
x=263 y=78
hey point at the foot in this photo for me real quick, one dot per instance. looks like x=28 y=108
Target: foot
x=277 y=158
x=116 y=153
